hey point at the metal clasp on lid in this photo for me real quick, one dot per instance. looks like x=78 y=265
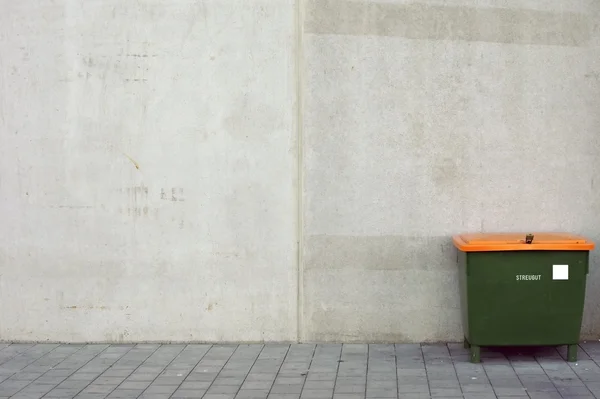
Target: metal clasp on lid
x=528 y=238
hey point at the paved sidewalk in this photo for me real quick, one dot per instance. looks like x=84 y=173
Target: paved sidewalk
x=294 y=372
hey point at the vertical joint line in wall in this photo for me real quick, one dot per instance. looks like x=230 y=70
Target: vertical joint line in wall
x=300 y=186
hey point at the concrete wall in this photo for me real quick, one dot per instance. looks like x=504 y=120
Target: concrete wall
x=150 y=154
x=423 y=120
x=148 y=165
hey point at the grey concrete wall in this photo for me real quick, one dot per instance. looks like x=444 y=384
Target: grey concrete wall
x=423 y=120
x=150 y=154
x=148 y=170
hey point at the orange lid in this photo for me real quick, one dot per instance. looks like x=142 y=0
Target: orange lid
x=482 y=242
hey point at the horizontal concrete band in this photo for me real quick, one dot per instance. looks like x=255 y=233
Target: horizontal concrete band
x=429 y=22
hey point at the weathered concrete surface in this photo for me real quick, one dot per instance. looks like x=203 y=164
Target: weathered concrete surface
x=148 y=168
x=149 y=161
x=422 y=120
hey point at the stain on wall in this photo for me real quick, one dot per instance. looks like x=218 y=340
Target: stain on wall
x=333 y=252
x=419 y=21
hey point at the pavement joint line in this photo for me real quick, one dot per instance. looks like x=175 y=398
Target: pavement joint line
x=98 y=354
x=52 y=368
x=129 y=375
x=164 y=368
x=279 y=370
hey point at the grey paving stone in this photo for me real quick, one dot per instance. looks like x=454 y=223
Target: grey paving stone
x=184 y=394
x=218 y=389
x=348 y=381
x=417 y=389
x=573 y=391
x=155 y=396
x=26 y=376
x=234 y=373
x=118 y=372
x=450 y=383
x=545 y=395
x=174 y=373
x=265 y=384
x=379 y=376
x=98 y=389
x=319 y=385
x=349 y=389
x=21 y=395
x=392 y=380
x=316 y=393
x=228 y=380
x=252 y=394
x=134 y=385
x=414 y=395
x=286 y=388
x=146 y=367
x=62 y=393
x=290 y=380
x=382 y=393
x=316 y=376
x=506 y=382
x=219 y=396
x=541 y=386
x=480 y=396
x=160 y=389
x=441 y=374
x=527 y=368
x=168 y=380
x=79 y=384
x=352 y=373
x=9 y=388
x=510 y=391
x=414 y=380
x=411 y=372
x=84 y=376
x=201 y=376
x=477 y=389
x=445 y=392
x=141 y=377
x=38 y=388
x=199 y=385
x=125 y=394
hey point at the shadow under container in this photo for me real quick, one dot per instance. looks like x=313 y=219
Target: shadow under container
x=522 y=289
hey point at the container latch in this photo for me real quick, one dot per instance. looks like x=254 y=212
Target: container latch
x=528 y=238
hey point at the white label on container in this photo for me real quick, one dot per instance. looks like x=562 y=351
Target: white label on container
x=560 y=272
x=529 y=277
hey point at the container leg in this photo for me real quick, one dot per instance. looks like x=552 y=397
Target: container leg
x=572 y=353
x=475 y=354
x=466 y=344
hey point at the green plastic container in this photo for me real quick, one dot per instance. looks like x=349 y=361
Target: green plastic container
x=522 y=289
